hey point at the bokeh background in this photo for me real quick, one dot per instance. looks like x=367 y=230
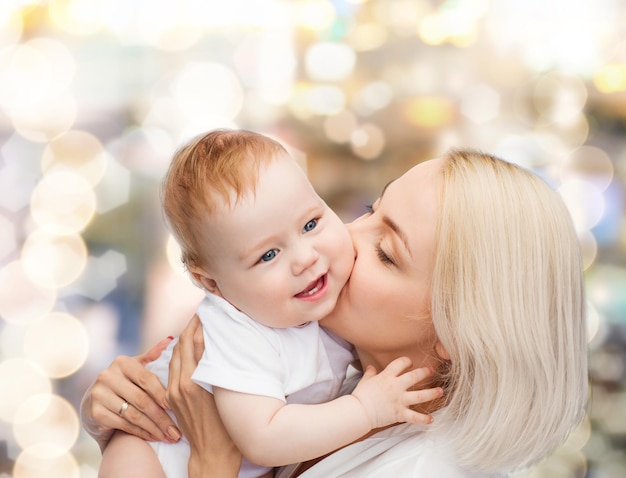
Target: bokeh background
x=95 y=95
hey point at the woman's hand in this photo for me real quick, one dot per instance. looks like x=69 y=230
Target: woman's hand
x=213 y=453
x=127 y=381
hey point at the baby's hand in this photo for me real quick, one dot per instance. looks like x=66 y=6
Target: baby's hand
x=387 y=397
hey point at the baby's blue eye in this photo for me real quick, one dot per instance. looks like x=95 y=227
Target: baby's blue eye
x=268 y=256
x=309 y=226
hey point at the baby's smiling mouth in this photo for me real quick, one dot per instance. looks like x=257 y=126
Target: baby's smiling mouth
x=313 y=287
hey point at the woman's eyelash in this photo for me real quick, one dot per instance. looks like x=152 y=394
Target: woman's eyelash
x=384 y=258
x=369 y=208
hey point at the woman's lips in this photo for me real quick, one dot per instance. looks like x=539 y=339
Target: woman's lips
x=315 y=290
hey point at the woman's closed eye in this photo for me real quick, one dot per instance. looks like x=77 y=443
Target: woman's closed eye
x=383 y=257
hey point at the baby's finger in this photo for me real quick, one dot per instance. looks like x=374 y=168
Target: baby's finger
x=411 y=416
x=421 y=396
x=415 y=376
x=370 y=371
x=397 y=366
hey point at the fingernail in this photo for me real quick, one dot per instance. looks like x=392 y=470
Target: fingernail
x=171 y=337
x=173 y=433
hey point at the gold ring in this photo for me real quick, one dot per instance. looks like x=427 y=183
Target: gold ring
x=123 y=408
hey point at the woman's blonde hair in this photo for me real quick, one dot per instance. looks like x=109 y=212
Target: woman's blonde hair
x=212 y=170
x=508 y=306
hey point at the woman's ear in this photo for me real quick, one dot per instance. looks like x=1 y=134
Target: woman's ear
x=204 y=280
x=441 y=351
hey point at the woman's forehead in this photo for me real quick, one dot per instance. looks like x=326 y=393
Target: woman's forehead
x=411 y=203
x=417 y=183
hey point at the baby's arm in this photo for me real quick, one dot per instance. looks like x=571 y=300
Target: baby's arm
x=270 y=433
x=129 y=456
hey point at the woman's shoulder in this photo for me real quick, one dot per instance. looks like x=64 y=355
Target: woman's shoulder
x=403 y=451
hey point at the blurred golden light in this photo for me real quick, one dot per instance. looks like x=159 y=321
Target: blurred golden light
x=266 y=62
x=12 y=340
x=480 y=103
x=325 y=100
x=63 y=203
x=432 y=30
x=594 y=321
x=46 y=119
x=592 y=164
x=367 y=141
x=611 y=78
x=171 y=26
x=45 y=460
x=584 y=201
x=11 y=26
x=22 y=300
x=46 y=420
x=400 y=16
x=430 y=112
x=339 y=127
x=313 y=14
x=80 y=17
x=589 y=248
x=579 y=437
x=614 y=421
x=452 y=25
x=575 y=132
x=57 y=343
x=113 y=190
x=207 y=95
x=298 y=101
x=34 y=71
x=372 y=97
x=559 y=98
x=561 y=464
x=54 y=261
x=329 y=61
x=23 y=379
x=8 y=242
x=76 y=151
x=367 y=36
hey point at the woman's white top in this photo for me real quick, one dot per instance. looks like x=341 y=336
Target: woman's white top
x=402 y=451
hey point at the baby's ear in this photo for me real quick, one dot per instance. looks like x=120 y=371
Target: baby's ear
x=205 y=281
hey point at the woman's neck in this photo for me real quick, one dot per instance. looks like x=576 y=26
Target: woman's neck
x=380 y=360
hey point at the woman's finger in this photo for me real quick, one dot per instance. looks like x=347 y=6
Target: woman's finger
x=126 y=380
x=154 y=352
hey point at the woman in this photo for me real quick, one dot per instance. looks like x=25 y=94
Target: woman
x=467 y=264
